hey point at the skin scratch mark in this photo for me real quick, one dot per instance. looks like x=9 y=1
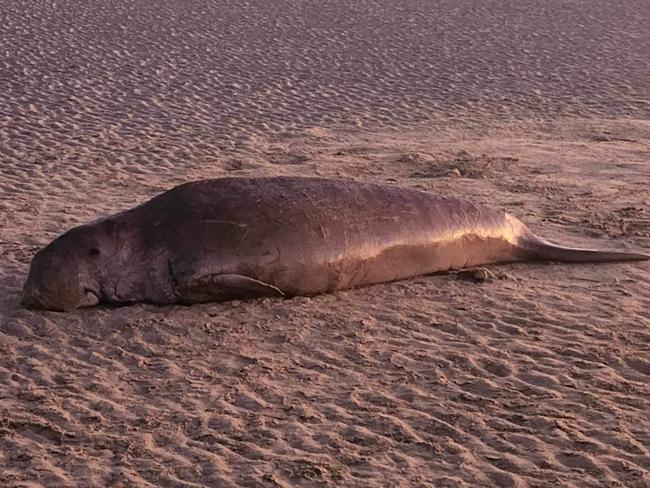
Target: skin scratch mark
x=227 y=222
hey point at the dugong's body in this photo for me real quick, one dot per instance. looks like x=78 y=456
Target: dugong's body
x=233 y=238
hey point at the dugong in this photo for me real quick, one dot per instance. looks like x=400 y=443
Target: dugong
x=238 y=238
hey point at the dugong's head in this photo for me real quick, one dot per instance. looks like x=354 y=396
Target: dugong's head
x=66 y=274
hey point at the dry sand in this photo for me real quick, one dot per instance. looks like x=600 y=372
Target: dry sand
x=538 y=377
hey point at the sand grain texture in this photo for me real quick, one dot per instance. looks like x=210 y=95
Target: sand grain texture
x=538 y=377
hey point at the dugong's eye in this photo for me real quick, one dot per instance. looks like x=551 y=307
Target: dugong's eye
x=93 y=252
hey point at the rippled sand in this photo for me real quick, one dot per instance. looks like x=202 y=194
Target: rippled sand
x=538 y=377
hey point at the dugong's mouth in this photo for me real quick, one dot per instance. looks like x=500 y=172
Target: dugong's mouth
x=90 y=298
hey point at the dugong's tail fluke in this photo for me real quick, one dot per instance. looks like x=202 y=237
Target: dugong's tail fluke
x=542 y=250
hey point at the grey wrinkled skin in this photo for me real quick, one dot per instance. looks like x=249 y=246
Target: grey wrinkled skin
x=233 y=238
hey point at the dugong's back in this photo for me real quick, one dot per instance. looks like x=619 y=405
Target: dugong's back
x=310 y=235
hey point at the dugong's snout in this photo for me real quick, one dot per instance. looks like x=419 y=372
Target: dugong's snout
x=36 y=298
x=60 y=298
x=55 y=283
x=29 y=298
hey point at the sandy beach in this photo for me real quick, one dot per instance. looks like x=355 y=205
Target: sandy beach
x=537 y=377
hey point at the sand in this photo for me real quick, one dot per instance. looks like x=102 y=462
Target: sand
x=538 y=377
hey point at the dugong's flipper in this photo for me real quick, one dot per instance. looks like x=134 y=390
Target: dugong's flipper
x=217 y=287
